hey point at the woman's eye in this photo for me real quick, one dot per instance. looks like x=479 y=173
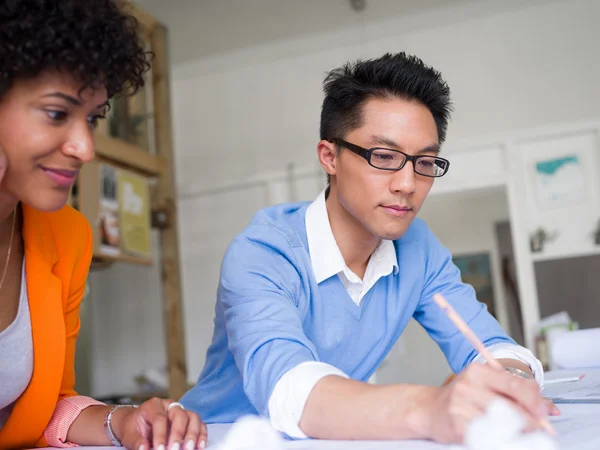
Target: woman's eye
x=58 y=116
x=93 y=120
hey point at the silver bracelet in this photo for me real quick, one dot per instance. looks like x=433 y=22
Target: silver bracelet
x=114 y=440
x=519 y=373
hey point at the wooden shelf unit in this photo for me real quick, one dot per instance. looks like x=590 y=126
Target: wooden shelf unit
x=157 y=167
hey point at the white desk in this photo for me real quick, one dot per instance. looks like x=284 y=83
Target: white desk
x=577 y=428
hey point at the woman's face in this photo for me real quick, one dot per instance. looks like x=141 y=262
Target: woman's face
x=46 y=134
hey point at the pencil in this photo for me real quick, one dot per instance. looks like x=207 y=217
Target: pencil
x=478 y=345
x=562 y=380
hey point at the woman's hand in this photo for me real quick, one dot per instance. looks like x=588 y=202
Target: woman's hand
x=156 y=425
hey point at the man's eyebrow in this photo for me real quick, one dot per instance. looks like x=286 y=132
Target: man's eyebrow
x=433 y=148
x=382 y=140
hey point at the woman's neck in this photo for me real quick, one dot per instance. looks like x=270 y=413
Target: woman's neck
x=8 y=204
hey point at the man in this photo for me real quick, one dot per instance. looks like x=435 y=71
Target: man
x=313 y=296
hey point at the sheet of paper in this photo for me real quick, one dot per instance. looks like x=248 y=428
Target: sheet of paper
x=586 y=390
x=562 y=345
x=577 y=427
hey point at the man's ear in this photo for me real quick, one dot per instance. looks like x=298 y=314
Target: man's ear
x=327 y=152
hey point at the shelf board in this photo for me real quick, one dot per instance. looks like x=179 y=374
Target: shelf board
x=129 y=155
x=100 y=260
x=553 y=255
x=146 y=20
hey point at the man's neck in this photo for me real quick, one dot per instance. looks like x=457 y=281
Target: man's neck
x=355 y=243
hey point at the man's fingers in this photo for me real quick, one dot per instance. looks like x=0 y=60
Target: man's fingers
x=477 y=396
x=554 y=411
x=524 y=393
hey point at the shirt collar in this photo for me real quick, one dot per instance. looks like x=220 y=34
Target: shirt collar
x=325 y=255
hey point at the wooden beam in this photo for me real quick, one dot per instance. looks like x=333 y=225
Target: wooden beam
x=165 y=198
x=146 y=21
x=128 y=155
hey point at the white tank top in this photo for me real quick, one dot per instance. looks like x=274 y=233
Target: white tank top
x=16 y=355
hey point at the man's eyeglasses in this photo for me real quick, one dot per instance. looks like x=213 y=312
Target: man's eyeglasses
x=388 y=159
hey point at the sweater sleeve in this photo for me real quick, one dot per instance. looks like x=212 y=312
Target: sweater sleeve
x=69 y=404
x=67 y=410
x=259 y=291
x=443 y=276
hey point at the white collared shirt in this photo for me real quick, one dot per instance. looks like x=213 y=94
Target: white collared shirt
x=291 y=392
x=327 y=260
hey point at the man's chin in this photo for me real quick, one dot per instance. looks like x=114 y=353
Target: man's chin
x=392 y=231
x=392 y=235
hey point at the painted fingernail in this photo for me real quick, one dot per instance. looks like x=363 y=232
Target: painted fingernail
x=175 y=446
x=191 y=445
x=160 y=447
x=202 y=444
x=142 y=447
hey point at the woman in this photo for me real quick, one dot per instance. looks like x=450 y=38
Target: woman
x=60 y=62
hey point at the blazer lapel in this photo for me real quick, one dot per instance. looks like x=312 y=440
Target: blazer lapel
x=35 y=407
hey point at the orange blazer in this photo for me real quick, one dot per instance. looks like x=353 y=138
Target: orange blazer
x=58 y=253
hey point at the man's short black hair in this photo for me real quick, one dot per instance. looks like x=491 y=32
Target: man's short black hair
x=392 y=76
x=93 y=40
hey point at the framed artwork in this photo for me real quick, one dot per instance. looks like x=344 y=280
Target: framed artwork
x=560 y=181
x=475 y=269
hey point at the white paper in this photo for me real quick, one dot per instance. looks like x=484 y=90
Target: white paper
x=576 y=349
x=577 y=427
x=586 y=390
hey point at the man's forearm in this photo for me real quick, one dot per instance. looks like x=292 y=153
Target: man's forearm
x=340 y=408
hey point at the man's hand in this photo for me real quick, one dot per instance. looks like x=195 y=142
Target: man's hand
x=454 y=405
x=554 y=411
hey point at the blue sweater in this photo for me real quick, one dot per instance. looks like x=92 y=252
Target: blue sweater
x=271 y=314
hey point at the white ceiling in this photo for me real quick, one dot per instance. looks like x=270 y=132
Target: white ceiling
x=200 y=28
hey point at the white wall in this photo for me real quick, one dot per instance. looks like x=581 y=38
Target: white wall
x=515 y=69
x=126 y=326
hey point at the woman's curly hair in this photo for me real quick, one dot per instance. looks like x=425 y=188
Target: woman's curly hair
x=93 y=40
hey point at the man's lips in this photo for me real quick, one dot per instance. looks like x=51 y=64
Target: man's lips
x=397 y=210
x=398 y=207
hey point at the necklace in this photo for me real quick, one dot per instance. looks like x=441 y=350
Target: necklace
x=12 y=235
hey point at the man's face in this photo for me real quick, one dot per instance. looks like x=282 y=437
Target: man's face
x=382 y=202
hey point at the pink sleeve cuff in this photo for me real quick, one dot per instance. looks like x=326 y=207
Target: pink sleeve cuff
x=65 y=413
